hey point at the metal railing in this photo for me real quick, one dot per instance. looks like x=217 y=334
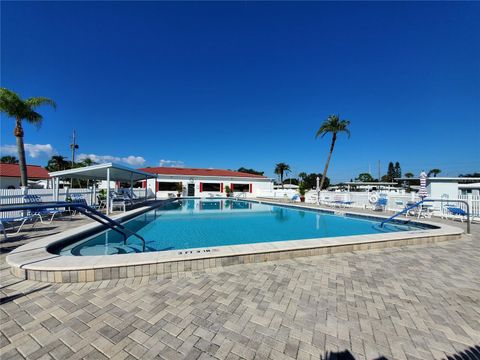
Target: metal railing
x=430 y=200
x=83 y=209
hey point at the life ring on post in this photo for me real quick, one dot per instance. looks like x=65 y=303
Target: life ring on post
x=373 y=198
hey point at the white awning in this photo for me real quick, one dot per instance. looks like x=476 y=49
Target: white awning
x=99 y=172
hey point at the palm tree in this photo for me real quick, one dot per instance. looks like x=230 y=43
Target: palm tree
x=87 y=162
x=281 y=169
x=332 y=125
x=9 y=160
x=435 y=172
x=15 y=107
x=409 y=175
x=302 y=175
x=57 y=163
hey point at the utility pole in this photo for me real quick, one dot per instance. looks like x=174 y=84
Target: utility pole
x=73 y=147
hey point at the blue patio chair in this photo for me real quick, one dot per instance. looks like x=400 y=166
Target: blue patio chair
x=35 y=199
x=380 y=205
x=77 y=199
x=12 y=220
x=347 y=203
x=295 y=198
x=458 y=213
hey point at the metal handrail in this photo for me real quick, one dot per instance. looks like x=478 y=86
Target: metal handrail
x=430 y=200
x=81 y=208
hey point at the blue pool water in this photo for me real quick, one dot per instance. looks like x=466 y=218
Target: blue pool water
x=196 y=223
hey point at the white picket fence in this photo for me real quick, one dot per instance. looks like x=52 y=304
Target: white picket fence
x=395 y=202
x=15 y=196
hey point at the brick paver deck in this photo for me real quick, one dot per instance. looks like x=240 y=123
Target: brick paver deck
x=416 y=302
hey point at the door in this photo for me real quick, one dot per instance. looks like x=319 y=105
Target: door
x=191 y=190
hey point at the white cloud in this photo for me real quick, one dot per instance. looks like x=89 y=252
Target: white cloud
x=171 y=163
x=134 y=160
x=33 y=150
x=130 y=160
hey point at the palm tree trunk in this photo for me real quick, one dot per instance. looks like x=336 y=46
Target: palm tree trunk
x=324 y=175
x=281 y=178
x=18 y=132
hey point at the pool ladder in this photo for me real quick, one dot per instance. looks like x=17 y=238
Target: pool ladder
x=83 y=209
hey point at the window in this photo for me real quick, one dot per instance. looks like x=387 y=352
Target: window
x=167 y=186
x=211 y=187
x=241 y=187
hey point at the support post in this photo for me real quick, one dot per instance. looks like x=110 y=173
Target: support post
x=146 y=188
x=57 y=190
x=108 y=191
x=131 y=185
x=53 y=182
x=94 y=200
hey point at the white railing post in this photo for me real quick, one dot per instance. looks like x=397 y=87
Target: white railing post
x=108 y=191
x=470 y=205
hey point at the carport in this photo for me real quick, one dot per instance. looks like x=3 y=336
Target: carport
x=107 y=171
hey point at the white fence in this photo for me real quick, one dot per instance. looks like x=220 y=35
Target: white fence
x=395 y=202
x=15 y=196
x=279 y=193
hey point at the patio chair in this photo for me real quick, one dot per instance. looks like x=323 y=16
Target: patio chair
x=347 y=204
x=35 y=199
x=380 y=204
x=457 y=213
x=131 y=196
x=22 y=219
x=295 y=198
x=2 y=229
x=119 y=201
x=79 y=199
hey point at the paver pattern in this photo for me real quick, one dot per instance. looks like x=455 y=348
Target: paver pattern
x=415 y=302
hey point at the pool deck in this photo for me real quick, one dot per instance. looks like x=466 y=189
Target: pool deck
x=34 y=261
x=411 y=302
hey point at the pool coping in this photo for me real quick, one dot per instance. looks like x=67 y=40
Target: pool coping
x=33 y=261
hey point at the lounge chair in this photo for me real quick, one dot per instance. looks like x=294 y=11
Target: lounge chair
x=295 y=198
x=457 y=213
x=119 y=201
x=35 y=199
x=2 y=229
x=17 y=219
x=380 y=205
x=79 y=199
x=346 y=203
x=131 y=196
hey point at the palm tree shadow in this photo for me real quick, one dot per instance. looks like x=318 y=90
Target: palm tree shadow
x=472 y=353
x=10 y=298
x=343 y=355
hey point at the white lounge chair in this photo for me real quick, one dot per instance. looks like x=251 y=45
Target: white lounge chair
x=35 y=199
x=17 y=219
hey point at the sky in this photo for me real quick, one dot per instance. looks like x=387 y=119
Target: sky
x=231 y=84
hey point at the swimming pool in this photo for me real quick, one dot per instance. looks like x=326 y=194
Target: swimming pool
x=198 y=234
x=205 y=223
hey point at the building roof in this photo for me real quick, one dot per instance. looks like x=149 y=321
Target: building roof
x=369 y=183
x=99 y=172
x=445 y=179
x=199 y=172
x=33 y=171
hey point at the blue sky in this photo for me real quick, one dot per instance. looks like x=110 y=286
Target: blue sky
x=230 y=84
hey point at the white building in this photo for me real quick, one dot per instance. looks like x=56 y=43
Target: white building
x=38 y=177
x=452 y=187
x=205 y=182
